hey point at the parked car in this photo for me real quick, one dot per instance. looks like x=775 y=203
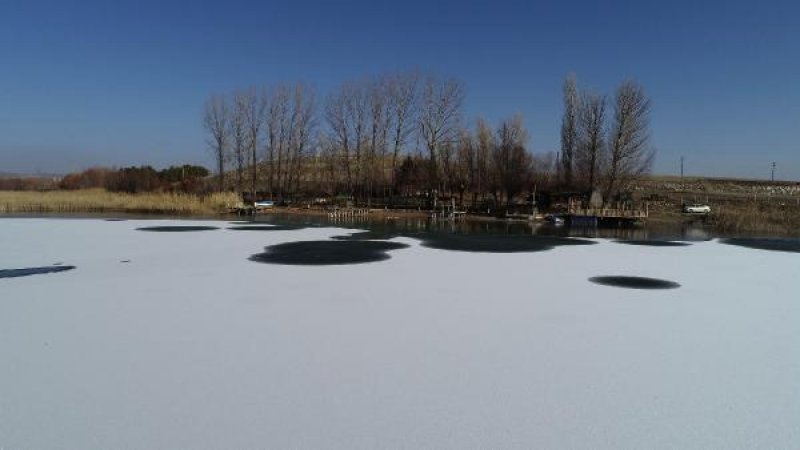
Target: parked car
x=696 y=208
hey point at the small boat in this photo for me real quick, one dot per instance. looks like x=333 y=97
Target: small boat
x=555 y=220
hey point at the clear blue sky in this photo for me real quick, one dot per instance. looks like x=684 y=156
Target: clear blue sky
x=111 y=82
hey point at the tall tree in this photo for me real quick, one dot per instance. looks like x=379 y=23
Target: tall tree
x=379 y=123
x=276 y=136
x=485 y=142
x=512 y=162
x=569 y=129
x=466 y=173
x=238 y=133
x=630 y=154
x=591 y=138
x=215 y=121
x=440 y=115
x=347 y=117
x=545 y=169
x=301 y=131
x=402 y=91
x=255 y=116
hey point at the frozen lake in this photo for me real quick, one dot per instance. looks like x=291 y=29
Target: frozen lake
x=201 y=338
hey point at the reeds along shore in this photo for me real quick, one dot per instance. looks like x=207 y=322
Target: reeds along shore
x=783 y=219
x=100 y=200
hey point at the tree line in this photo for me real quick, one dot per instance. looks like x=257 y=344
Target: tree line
x=186 y=178
x=397 y=135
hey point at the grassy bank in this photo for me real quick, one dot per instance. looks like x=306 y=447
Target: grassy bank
x=102 y=201
x=756 y=217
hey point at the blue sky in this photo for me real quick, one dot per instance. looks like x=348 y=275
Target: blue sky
x=86 y=83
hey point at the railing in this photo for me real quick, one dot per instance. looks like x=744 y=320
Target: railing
x=609 y=212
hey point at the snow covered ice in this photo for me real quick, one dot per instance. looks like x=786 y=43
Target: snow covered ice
x=189 y=344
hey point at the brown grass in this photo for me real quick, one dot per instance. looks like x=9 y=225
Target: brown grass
x=100 y=201
x=756 y=217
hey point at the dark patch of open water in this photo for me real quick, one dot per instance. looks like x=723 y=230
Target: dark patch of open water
x=634 y=282
x=14 y=273
x=498 y=243
x=265 y=227
x=320 y=253
x=773 y=244
x=177 y=228
x=649 y=243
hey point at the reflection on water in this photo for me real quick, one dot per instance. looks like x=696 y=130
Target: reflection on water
x=497 y=243
x=382 y=228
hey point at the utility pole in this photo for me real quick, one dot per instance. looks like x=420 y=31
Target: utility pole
x=773 y=170
x=681 y=169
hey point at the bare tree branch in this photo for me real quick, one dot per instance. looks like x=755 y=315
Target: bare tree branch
x=215 y=121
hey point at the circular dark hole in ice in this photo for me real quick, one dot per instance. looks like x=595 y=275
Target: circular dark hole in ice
x=498 y=243
x=177 y=228
x=265 y=227
x=14 y=273
x=654 y=243
x=634 y=282
x=773 y=244
x=319 y=253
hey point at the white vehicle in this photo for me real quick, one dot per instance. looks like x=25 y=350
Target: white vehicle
x=264 y=204
x=696 y=209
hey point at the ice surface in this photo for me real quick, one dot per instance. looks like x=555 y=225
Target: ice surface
x=191 y=345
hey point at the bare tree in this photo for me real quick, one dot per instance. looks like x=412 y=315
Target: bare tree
x=440 y=115
x=402 y=92
x=569 y=129
x=512 y=162
x=238 y=133
x=347 y=117
x=276 y=136
x=339 y=139
x=328 y=167
x=485 y=142
x=215 y=121
x=544 y=168
x=379 y=120
x=466 y=173
x=255 y=112
x=630 y=154
x=301 y=128
x=591 y=137
x=356 y=110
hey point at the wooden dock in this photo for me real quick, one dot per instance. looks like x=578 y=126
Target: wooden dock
x=607 y=216
x=347 y=213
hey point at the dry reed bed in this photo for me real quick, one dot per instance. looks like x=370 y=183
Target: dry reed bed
x=100 y=200
x=756 y=217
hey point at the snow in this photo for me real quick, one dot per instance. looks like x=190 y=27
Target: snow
x=191 y=345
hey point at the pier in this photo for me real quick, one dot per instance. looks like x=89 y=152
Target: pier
x=620 y=216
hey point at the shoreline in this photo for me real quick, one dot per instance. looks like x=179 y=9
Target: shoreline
x=732 y=217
